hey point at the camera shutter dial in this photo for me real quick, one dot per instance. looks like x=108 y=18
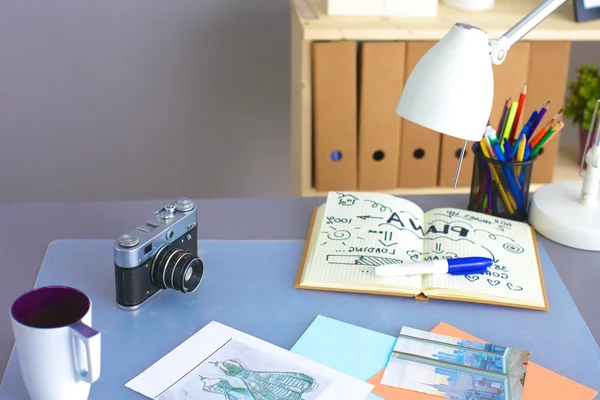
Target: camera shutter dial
x=165 y=216
x=128 y=240
x=184 y=204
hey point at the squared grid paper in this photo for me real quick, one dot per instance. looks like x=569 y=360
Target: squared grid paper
x=355 y=221
x=515 y=273
x=360 y=230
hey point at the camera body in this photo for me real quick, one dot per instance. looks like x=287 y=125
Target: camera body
x=160 y=254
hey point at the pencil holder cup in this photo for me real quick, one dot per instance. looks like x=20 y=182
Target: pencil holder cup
x=500 y=188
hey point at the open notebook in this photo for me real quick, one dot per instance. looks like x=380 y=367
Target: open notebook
x=353 y=232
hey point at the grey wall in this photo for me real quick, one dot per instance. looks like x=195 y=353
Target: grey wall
x=581 y=52
x=129 y=99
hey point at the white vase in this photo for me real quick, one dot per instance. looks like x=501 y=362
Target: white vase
x=471 y=5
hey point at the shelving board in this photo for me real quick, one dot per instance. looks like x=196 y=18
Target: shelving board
x=560 y=25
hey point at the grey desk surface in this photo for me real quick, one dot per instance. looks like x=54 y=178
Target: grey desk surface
x=27 y=229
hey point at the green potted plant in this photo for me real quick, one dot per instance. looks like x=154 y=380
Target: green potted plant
x=580 y=103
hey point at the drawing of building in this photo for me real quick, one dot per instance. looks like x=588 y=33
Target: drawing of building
x=464 y=386
x=452 y=375
x=490 y=348
x=478 y=395
x=487 y=362
x=459 y=393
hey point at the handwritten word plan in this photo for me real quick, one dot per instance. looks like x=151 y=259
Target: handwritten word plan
x=353 y=232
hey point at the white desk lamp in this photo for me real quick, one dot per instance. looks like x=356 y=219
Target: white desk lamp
x=569 y=212
x=451 y=90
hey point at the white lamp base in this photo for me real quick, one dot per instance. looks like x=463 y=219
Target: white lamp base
x=556 y=213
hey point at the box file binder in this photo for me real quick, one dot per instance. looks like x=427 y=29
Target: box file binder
x=335 y=115
x=419 y=146
x=382 y=78
x=543 y=72
x=449 y=159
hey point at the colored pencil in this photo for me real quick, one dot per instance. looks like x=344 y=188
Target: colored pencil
x=537 y=113
x=503 y=119
x=509 y=178
x=510 y=121
x=508 y=150
x=503 y=194
x=513 y=131
x=535 y=139
x=488 y=144
x=540 y=117
x=527 y=128
x=521 y=152
x=515 y=146
x=551 y=133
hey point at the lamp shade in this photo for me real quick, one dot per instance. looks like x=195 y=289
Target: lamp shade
x=451 y=89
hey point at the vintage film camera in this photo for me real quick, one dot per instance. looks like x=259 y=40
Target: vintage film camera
x=160 y=254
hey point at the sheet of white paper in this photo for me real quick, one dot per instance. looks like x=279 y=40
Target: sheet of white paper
x=219 y=362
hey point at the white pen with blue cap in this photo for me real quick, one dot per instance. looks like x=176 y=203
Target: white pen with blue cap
x=452 y=266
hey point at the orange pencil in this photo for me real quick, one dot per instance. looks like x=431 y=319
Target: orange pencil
x=513 y=132
x=552 y=133
x=535 y=139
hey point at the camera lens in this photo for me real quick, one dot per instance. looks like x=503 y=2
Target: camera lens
x=174 y=268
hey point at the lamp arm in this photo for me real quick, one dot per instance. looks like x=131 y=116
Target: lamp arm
x=499 y=47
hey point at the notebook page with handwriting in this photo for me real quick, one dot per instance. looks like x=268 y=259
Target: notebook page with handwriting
x=515 y=276
x=352 y=234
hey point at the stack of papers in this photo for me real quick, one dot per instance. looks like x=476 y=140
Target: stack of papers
x=450 y=367
x=327 y=341
x=335 y=360
x=221 y=362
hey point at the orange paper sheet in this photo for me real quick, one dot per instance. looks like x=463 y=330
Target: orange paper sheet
x=540 y=383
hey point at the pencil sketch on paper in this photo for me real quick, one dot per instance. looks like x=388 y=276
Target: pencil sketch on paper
x=240 y=372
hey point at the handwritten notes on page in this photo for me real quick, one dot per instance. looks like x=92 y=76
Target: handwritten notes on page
x=354 y=235
x=354 y=232
x=514 y=277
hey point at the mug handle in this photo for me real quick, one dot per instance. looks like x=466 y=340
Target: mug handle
x=91 y=340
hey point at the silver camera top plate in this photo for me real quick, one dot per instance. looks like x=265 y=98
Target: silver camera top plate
x=140 y=244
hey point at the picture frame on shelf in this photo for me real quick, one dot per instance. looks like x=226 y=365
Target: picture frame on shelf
x=586 y=10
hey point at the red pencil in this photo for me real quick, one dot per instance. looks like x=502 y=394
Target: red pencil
x=513 y=132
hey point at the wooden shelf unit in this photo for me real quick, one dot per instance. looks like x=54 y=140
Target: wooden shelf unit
x=310 y=23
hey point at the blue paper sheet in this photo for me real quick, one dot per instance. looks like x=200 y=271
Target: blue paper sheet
x=356 y=351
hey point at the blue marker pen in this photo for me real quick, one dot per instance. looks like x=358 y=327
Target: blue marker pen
x=452 y=266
